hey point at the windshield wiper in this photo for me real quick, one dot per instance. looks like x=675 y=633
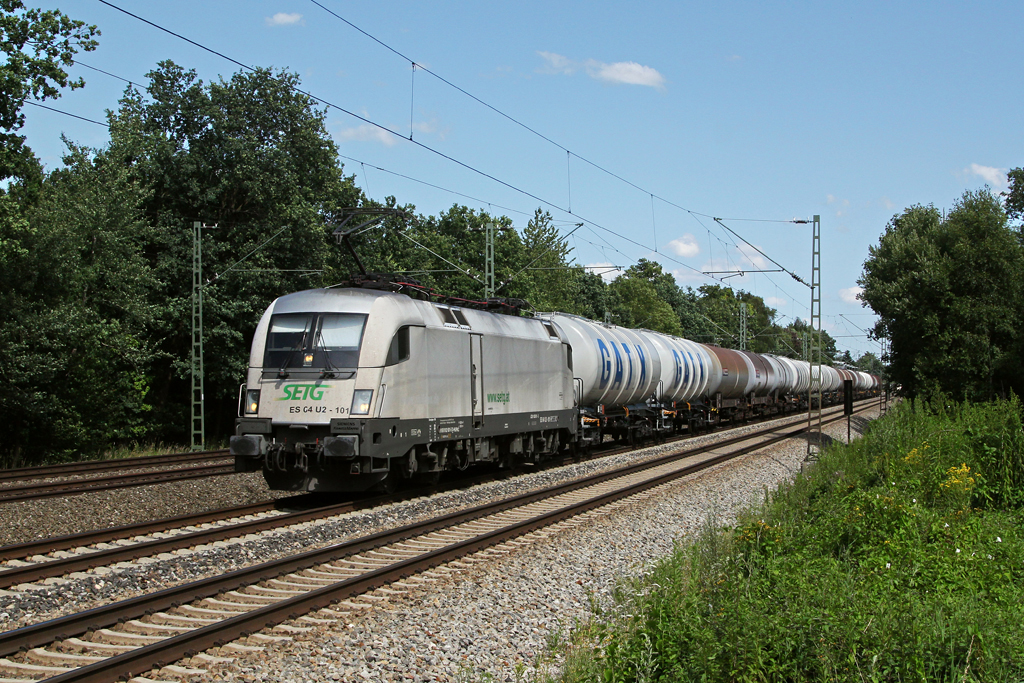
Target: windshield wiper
x=328 y=371
x=302 y=344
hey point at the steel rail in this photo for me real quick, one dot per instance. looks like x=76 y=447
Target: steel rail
x=74 y=487
x=18 y=551
x=86 y=466
x=66 y=565
x=159 y=654
x=61 y=566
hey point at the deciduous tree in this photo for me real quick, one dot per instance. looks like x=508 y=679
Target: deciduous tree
x=948 y=293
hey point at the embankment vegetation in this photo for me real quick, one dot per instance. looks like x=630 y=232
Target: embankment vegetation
x=897 y=558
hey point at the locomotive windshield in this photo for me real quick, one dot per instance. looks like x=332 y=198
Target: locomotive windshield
x=321 y=341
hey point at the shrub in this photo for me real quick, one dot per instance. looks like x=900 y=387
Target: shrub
x=899 y=557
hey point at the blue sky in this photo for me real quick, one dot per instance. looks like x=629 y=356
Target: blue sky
x=741 y=110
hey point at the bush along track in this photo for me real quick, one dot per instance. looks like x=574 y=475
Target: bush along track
x=897 y=558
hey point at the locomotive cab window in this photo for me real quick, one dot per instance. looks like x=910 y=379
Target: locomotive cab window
x=399 y=349
x=551 y=329
x=318 y=341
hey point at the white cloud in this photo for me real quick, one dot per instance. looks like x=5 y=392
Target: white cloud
x=996 y=177
x=685 y=246
x=367 y=133
x=776 y=301
x=284 y=19
x=606 y=270
x=628 y=73
x=558 y=64
x=887 y=203
x=849 y=295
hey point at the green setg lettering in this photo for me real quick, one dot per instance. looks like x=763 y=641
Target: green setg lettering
x=301 y=392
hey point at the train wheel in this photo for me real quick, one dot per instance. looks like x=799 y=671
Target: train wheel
x=389 y=484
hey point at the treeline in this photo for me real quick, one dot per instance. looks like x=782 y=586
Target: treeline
x=96 y=263
x=948 y=288
x=96 y=257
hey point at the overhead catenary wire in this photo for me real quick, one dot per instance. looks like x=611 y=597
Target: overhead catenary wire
x=442 y=154
x=520 y=123
x=384 y=128
x=517 y=122
x=436 y=187
x=75 y=116
x=120 y=78
x=469 y=274
x=414 y=66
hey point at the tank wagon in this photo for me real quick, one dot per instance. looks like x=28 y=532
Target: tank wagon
x=359 y=388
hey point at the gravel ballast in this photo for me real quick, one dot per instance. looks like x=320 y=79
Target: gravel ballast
x=494 y=617
x=494 y=620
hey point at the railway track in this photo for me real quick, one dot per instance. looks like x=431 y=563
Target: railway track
x=152 y=631
x=23 y=484
x=50 y=558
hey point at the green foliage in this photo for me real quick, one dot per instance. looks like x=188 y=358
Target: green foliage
x=900 y=557
x=74 y=344
x=37 y=46
x=1014 y=201
x=869 y=362
x=252 y=157
x=96 y=257
x=949 y=293
x=635 y=303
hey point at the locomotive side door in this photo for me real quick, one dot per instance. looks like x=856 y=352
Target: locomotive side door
x=476 y=378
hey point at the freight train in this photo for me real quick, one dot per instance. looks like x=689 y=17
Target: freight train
x=366 y=386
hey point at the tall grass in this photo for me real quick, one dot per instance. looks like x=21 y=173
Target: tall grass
x=897 y=558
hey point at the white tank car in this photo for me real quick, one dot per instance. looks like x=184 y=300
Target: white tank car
x=798 y=375
x=342 y=382
x=617 y=366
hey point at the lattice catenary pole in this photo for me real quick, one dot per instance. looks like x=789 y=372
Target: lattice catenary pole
x=814 y=440
x=198 y=394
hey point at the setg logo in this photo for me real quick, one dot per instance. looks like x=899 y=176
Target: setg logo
x=498 y=398
x=302 y=392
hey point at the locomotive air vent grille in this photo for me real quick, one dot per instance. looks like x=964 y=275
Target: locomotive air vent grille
x=446 y=316
x=453 y=317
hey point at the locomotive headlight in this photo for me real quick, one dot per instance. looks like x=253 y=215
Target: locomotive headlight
x=252 y=401
x=361 y=402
